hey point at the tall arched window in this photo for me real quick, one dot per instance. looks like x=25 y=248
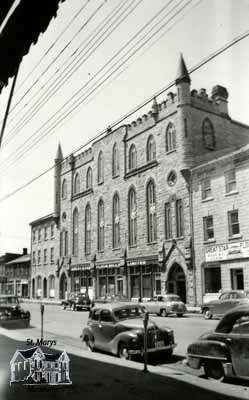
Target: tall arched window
x=75 y=231
x=89 y=178
x=115 y=161
x=101 y=226
x=151 y=212
x=64 y=189
x=88 y=229
x=100 y=167
x=51 y=285
x=132 y=217
x=208 y=134
x=132 y=157
x=170 y=137
x=151 y=149
x=116 y=222
x=76 y=187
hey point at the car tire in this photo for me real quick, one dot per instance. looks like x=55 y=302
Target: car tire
x=207 y=313
x=163 y=313
x=89 y=345
x=214 y=370
x=179 y=315
x=73 y=307
x=123 y=351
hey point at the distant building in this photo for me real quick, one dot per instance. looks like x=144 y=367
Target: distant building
x=44 y=256
x=17 y=273
x=33 y=366
x=126 y=206
x=3 y=260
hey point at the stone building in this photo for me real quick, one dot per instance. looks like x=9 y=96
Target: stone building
x=124 y=206
x=44 y=254
x=17 y=272
x=3 y=260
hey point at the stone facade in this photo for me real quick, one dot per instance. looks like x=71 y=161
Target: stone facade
x=139 y=237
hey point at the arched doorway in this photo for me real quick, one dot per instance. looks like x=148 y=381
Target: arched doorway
x=176 y=282
x=33 y=288
x=45 y=292
x=63 y=286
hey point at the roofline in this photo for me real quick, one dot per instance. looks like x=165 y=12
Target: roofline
x=42 y=219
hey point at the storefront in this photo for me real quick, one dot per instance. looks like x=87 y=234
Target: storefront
x=110 y=280
x=81 y=279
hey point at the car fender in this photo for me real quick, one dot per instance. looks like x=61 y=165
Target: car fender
x=124 y=337
x=210 y=349
x=87 y=333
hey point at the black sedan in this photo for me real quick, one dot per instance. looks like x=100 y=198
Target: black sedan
x=225 y=351
x=118 y=328
x=11 y=314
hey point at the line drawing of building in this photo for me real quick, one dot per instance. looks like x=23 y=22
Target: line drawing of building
x=34 y=366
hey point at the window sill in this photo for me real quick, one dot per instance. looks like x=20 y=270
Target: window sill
x=208 y=241
x=101 y=251
x=101 y=183
x=180 y=238
x=237 y=236
x=207 y=199
x=115 y=248
x=115 y=176
x=132 y=246
x=169 y=240
x=171 y=151
x=152 y=243
x=231 y=193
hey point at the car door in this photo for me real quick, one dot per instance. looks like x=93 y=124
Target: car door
x=238 y=342
x=106 y=329
x=222 y=305
x=93 y=325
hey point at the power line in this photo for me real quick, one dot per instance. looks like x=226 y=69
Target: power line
x=65 y=115
x=43 y=100
x=127 y=115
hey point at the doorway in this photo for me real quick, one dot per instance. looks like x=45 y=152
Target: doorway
x=63 y=286
x=176 y=282
x=45 y=293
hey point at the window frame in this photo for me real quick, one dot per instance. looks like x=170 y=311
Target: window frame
x=230 y=181
x=132 y=157
x=232 y=224
x=179 y=218
x=64 y=189
x=206 y=188
x=75 y=238
x=132 y=220
x=116 y=221
x=89 y=178
x=115 y=161
x=101 y=226
x=170 y=137
x=100 y=168
x=76 y=184
x=88 y=231
x=168 y=221
x=207 y=229
x=151 y=216
x=151 y=149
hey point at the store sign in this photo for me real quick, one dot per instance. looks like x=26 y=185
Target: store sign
x=227 y=251
x=107 y=266
x=136 y=262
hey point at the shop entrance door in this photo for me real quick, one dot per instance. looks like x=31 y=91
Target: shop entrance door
x=176 y=282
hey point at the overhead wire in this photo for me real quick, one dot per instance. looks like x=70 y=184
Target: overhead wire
x=127 y=53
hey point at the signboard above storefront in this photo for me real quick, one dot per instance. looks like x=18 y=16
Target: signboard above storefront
x=227 y=251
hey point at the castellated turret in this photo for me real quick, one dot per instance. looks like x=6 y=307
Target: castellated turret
x=57 y=181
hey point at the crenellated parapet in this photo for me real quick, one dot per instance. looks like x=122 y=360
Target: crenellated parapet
x=216 y=103
x=74 y=161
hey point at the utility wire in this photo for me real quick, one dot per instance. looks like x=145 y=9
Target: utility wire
x=64 y=77
x=146 y=102
x=127 y=53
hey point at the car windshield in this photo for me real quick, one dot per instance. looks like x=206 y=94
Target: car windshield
x=9 y=300
x=129 y=312
x=172 y=298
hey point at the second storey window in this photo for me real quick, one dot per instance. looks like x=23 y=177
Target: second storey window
x=233 y=223
x=45 y=259
x=151 y=149
x=132 y=157
x=170 y=138
x=100 y=167
x=206 y=188
x=208 y=228
x=89 y=178
x=230 y=181
x=151 y=212
x=75 y=231
x=45 y=233
x=34 y=235
x=168 y=222
x=39 y=235
x=64 y=189
x=179 y=218
x=101 y=226
x=132 y=217
x=52 y=255
x=116 y=222
x=76 y=188
x=88 y=229
x=115 y=161
x=39 y=257
x=34 y=260
x=52 y=231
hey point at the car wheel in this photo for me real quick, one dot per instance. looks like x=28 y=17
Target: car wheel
x=89 y=345
x=73 y=307
x=179 y=315
x=163 y=313
x=207 y=313
x=123 y=352
x=214 y=370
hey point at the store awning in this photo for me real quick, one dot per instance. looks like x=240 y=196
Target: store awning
x=28 y=20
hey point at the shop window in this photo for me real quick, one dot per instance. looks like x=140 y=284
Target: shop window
x=233 y=223
x=151 y=212
x=208 y=228
x=237 y=279
x=120 y=286
x=102 y=286
x=168 y=222
x=170 y=138
x=230 y=180
x=212 y=279
x=179 y=218
x=151 y=149
x=206 y=192
x=146 y=280
x=135 y=286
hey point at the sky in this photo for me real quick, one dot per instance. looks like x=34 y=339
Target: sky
x=49 y=85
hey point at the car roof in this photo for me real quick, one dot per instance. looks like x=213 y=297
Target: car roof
x=113 y=306
x=231 y=316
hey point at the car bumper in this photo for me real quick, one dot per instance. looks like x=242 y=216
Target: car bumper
x=152 y=349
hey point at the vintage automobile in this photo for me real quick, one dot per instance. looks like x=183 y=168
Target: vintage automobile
x=225 y=302
x=11 y=314
x=225 y=351
x=77 y=301
x=118 y=328
x=166 y=304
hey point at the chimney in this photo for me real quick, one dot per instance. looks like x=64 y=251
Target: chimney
x=220 y=96
x=25 y=251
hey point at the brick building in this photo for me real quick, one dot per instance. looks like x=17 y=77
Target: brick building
x=44 y=254
x=125 y=206
x=17 y=272
x=3 y=260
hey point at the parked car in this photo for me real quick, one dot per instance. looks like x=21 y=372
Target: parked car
x=77 y=301
x=225 y=302
x=118 y=328
x=11 y=314
x=225 y=351
x=166 y=304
